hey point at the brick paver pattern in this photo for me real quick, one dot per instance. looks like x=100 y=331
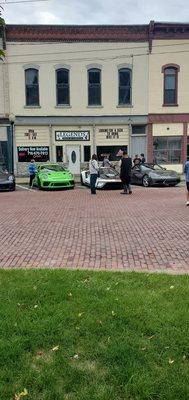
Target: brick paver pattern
x=148 y=230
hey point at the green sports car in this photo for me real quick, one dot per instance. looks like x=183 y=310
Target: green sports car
x=53 y=176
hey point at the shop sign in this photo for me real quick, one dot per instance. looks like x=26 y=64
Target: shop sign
x=72 y=135
x=31 y=134
x=38 y=153
x=111 y=133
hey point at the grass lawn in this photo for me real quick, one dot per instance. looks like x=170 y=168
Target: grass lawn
x=79 y=335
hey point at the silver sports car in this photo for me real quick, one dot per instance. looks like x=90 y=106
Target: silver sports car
x=108 y=179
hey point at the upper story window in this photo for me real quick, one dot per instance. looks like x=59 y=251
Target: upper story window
x=124 y=86
x=94 y=87
x=32 y=87
x=62 y=87
x=170 y=84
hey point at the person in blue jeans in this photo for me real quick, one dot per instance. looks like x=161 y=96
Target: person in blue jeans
x=32 y=171
x=186 y=172
x=94 y=171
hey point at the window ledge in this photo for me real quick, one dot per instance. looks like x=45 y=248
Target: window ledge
x=64 y=106
x=124 y=106
x=169 y=105
x=95 y=106
x=32 y=106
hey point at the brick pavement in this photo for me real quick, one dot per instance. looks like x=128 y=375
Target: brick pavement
x=72 y=229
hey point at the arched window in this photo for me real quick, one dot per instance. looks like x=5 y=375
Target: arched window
x=124 y=86
x=32 y=87
x=170 y=84
x=94 y=87
x=62 y=87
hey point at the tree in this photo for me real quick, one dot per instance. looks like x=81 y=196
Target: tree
x=2 y=23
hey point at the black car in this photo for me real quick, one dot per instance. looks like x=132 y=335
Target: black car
x=153 y=174
x=7 y=180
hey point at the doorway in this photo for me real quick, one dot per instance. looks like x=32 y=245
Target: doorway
x=138 y=145
x=73 y=155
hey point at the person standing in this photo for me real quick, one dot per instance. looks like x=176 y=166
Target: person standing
x=32 y=171
x=125 y=173
x=143 y=160
x=136 y=160
x=186 y=172
x=94 y=171
x=106 y=162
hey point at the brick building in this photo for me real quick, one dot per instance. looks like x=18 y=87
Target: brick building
x=76 y=90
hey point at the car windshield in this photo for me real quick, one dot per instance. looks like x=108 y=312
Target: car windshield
x=155 y=167
x=108 y=173
x=55 y=167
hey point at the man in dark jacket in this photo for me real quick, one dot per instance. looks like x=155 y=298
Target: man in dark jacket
x=125 y=173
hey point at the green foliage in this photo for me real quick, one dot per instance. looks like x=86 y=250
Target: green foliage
x=80 y=335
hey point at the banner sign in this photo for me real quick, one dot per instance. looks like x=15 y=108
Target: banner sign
x=72 y=135
x=38 y=153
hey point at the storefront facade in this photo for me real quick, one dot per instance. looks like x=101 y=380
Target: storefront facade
x=57 y=139
x=168 y=133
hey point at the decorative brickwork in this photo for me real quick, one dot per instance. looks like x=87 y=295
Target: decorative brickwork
x=63 y=33
x=168 y=118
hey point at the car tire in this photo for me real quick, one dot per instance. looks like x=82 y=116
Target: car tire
x=146 y=181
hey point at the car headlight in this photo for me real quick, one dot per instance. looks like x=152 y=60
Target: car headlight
x=10 y=178
x=99 y=184
x=45 y=176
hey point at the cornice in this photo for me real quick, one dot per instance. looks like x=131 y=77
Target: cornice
x=77 y=33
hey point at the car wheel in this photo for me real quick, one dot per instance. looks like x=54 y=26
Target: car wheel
x=146 y=181
x=82 y=183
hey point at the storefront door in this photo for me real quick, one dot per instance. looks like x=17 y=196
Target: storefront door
x=73 y=154
x=138 y=145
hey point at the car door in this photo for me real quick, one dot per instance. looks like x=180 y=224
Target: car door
x=136 y=174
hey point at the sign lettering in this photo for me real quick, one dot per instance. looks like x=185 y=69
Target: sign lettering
x=72 y=135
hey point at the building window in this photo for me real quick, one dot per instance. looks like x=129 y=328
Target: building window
x=87 y=153
x=32 y=87
x=124 y=86
x=94 y=87
x=167 y=150
x=62 y=87
x=170 y=85
x=110 y=151
x=138 y=129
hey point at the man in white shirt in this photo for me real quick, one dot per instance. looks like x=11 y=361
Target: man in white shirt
x=94 y=171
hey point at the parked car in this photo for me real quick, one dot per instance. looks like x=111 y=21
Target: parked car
x=142 y=174
x=109 y=179
x=7 y=180
x=53 y=176
x=153 y=174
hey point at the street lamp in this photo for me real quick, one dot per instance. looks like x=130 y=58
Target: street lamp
x=12 y=120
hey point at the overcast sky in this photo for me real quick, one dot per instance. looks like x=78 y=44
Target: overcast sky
x=96 y=11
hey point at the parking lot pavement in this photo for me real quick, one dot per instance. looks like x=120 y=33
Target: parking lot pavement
x=147 y=230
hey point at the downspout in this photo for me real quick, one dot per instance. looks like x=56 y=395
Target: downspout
x=51 y=153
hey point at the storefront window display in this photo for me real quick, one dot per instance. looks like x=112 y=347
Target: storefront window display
x=111 y=151
x=167 y=150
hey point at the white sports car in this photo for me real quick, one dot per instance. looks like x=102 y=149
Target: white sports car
x=108 y=179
